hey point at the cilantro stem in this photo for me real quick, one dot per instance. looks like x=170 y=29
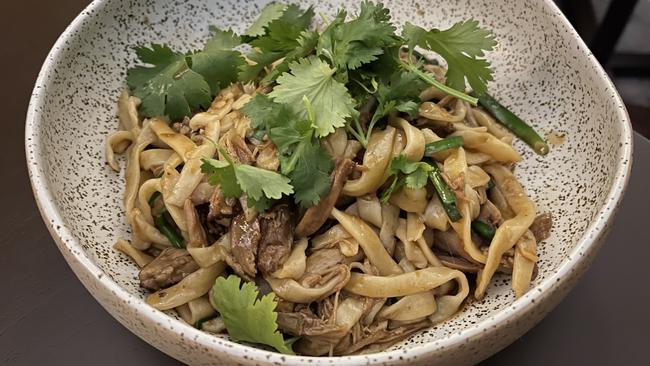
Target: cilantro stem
x=442 y=145
x=453 y=92
x=359 y=136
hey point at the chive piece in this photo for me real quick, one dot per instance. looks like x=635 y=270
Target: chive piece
x=153 y=197
x=442 y=145
x=167 y=230
x=453 y=92
x=483 y=229
x=515 y=124
x=445 y=193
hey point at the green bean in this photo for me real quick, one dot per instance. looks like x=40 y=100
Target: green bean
x=515 y=124
x=445 y=193
x=167 y=230
x=483 y=229
x=442 y=145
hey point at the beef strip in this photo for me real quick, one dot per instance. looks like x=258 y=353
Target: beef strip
x=542 y=225
x=277 y=228
x=316 y=216
x=168 y=268
x=244 y=240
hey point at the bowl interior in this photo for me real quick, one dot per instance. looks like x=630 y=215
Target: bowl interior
x=541 y=72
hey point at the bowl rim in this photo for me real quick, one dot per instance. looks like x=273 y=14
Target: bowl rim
x=64 y=239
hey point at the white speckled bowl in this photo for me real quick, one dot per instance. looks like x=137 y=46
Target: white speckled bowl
x=543 y=71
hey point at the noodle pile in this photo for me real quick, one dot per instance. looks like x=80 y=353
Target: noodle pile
x=360 y=278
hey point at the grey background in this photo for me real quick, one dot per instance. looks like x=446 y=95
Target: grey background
x=48 y=318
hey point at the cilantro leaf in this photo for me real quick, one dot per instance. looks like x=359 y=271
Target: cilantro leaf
x=401 y=94
x=313 y=78
x=311 y=175
x=222 y=173
x=462 y=46
x=306 y=44
x=359 y=41
x=168 y=86
x=284 y=36
x=283 y=32
x=260 y=185
x=258 y=182
x=246 y=317
x=270 y=13
x=217 y=62
x=413 y=175
x=248 y=72
x=260 y=109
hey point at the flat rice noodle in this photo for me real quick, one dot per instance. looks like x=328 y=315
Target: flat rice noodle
x=295 y=265
x=523 y=266
x=410 y=307
x=414 y=148
x=375 y=161
x=140 y=258
x=425 y=279
x=511 y=230
x=292 y=291
x=116 y=143
x=487 y=143
x=181 y=144
x=369 y=242
x=152 y=158
x=189 y=288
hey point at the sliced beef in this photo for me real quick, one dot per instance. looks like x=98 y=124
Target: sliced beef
x=168 y=268
x=245 y=237
x=277 y=228
x=541 y=227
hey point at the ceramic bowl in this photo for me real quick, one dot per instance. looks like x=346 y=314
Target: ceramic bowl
x=544 y=72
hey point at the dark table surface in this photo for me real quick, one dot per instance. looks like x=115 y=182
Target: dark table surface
x=48 y=318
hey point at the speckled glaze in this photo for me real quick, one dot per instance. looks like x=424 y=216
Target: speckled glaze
x=543 y=71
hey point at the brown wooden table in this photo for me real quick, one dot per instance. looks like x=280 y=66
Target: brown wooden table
x=48 y=318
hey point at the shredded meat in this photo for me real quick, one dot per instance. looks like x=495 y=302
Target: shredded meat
x=317 y=328
x=316 y=216
x=378 y=334
x=168 y=268
x=237 y=149
x=305 y=323
x=541 y=227
x=277 y=236
x=244 y=240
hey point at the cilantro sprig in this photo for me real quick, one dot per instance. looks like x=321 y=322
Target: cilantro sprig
x=261 y=186
x=415 y=175
x=301 y=156
x=318 y=82
x=176 y=84
x=248 y=317
x=463 y=46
